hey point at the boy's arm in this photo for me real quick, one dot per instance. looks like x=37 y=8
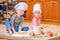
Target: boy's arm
x=12 y=23
x=21 y=22
x=20 y=26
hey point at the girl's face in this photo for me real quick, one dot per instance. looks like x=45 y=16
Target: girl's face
x=20 y=12
x=37 y=14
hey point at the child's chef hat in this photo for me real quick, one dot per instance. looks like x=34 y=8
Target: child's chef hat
x=21 y=6
x=37 y=7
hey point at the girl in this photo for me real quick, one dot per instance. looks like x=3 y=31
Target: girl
x=35 y=25
x=17 y=19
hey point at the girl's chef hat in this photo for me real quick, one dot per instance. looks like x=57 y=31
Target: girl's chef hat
x=21 y=6
x=36 y=7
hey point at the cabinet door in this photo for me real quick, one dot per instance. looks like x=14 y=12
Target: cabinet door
x=51 y=11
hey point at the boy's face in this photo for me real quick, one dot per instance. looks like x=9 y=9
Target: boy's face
x=37 y=14
x=20 y=12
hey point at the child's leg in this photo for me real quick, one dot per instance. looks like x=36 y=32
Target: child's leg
x=16 y=28
x=8 y=26
x=25 y=28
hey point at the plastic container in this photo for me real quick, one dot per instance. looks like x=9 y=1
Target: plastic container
x=36 y=30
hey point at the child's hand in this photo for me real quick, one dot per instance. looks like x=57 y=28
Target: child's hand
x=10 y=33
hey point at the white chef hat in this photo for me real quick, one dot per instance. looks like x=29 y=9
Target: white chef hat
x=36 y=7
x=22 y=6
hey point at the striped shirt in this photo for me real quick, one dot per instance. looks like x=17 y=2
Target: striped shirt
x=16 y=21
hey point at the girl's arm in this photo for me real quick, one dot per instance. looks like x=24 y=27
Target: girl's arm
x=34 y=20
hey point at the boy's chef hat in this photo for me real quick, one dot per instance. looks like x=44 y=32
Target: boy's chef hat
x=37 y=7
x=21 y=6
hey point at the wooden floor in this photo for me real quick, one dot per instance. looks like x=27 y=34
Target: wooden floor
x=2 y=39
x=54 y=27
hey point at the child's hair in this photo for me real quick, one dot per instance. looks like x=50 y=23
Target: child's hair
x=37 y=7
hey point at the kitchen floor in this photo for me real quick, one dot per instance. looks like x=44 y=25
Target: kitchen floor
x=51 y=27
